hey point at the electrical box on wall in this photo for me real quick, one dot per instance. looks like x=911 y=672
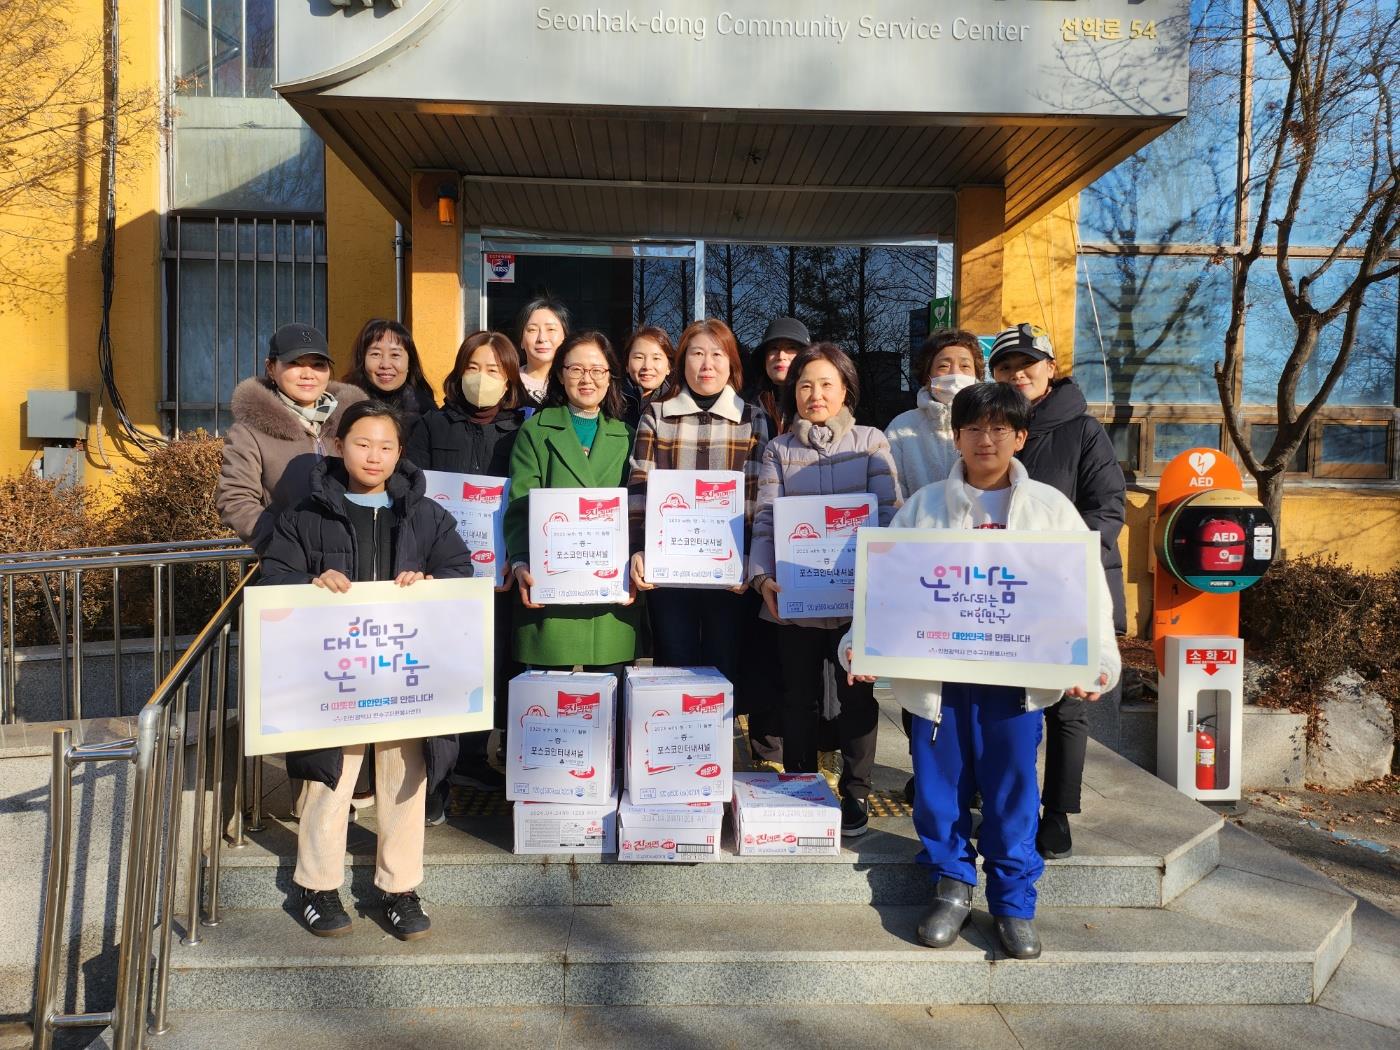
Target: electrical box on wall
x=57 y=415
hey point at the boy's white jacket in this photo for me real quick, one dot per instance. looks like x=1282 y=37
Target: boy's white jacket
x=946 y=505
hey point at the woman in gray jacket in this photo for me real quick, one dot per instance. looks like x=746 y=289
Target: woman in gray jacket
x=824 y=453
x=284 y=424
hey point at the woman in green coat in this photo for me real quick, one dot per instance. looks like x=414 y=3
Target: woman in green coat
x=576 y=441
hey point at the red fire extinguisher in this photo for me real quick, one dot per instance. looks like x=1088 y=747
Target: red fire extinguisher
x=1205 y=758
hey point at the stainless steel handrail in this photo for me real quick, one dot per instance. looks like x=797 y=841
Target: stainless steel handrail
x=153 y=848
x=66 y=607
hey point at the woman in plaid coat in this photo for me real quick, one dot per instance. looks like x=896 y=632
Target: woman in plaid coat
x=703 y=425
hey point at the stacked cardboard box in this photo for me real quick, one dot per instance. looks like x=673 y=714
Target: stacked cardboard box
x=680 y=763
x=559 y=764
x=785 y=814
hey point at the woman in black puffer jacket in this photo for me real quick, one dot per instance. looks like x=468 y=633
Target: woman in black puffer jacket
x=1069 y=450
x=367 y=518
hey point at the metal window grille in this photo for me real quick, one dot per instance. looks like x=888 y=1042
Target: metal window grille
x=230 y=282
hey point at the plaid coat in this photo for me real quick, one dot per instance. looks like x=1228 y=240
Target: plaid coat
x=677 y=434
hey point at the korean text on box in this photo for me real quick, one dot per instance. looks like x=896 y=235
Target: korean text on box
x=478 y=504
x=561 y=737
x=815 y=548
x=695 y=528
x=680 y=745
x=785 y=814
x=681 y=832
x=566 y=827
x=578 y=546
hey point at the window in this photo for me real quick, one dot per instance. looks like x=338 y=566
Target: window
x=230 y=283
x=1354 y=450
x=225 y=49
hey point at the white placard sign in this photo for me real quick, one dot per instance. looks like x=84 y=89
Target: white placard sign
x=982 y=606
x=814 y=541
x=478 y=504
x=695 y=528
x=380 y=662
x=578 y=546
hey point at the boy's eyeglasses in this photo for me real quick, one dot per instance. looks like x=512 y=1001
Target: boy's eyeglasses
x=578 y=372
x=997 y=434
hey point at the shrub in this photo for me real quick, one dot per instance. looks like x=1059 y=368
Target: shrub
x=38 y=515
x=1312 y=618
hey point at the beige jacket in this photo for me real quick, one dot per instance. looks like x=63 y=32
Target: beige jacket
x=269 y=453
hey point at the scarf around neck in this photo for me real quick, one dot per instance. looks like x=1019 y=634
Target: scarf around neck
x=314 y=416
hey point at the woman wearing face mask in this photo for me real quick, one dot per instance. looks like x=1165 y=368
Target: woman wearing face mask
x=1069 y=450
x=703 y=425
x=542 y=326
x=824 y=453
x=648 y=357
x=474 y=432
x=284 y=423
x=575 y=441
x=783 y=340
x=386 y=367
x=922 y=438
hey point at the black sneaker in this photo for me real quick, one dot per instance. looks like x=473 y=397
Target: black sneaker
x=406 y=916
x=323 y=913
x=435 y=809
x=854 y=817
x=909 y=791
x=1052 y=839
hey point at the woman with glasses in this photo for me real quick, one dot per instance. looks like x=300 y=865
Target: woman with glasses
x=703 y=425
x=576 y=441
x=1069 y=450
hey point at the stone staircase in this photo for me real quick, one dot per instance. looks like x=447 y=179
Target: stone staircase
x=1161 y=904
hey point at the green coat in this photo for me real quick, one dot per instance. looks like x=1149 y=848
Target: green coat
x=547 y=454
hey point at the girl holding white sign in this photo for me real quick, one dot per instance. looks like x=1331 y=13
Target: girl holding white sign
x=824 y=453
x=367 y=519
x=970 y=738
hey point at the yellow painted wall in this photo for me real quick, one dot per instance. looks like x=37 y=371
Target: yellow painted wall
x=50 y=335
x=359 y=259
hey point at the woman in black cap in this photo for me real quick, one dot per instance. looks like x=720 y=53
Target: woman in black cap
x=783 y=340
x=1069 y=450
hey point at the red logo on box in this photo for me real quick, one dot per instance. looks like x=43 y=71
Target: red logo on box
x=482 y=493
x=598 y=509
x=709 y=771
x=675 y=501
x=693 y=704
x=576 y=705
x=715 y=491
x=1211 y=659
x=582 y=774
x=804 y=532
x=846 y=519
x=484 y=557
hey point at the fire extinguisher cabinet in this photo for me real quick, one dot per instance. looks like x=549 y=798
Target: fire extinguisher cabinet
x=1200 y=700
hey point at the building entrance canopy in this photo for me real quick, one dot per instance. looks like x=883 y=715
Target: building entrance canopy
x=781 y=120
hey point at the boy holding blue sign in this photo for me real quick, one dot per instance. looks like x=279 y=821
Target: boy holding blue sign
x=969 y=738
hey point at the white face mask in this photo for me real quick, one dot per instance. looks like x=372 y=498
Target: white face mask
x=945 y=387
x=483 y=389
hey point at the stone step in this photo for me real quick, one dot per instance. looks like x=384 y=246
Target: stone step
x=1235 y=937
x=1138 y=844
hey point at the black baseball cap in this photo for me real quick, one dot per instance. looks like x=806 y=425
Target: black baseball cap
x=1028 y=339
x=786 y=329
x=292 y=341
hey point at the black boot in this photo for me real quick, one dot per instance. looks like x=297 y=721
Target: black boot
x=1018 y=937
x=1052 y=839
x=952 y=908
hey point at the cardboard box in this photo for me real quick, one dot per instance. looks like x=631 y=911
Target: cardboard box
x=814 y=539
x=565 y=827
x=676 y=833
x=695 y=528
x=785 y=814
x=578 y=546
x=562 y=735
x=680 y=729
x=478 y=504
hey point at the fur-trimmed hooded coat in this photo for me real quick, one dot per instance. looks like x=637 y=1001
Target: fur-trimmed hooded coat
x=269 y=454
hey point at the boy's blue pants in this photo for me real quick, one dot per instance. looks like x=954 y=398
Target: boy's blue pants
x=986 y=742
